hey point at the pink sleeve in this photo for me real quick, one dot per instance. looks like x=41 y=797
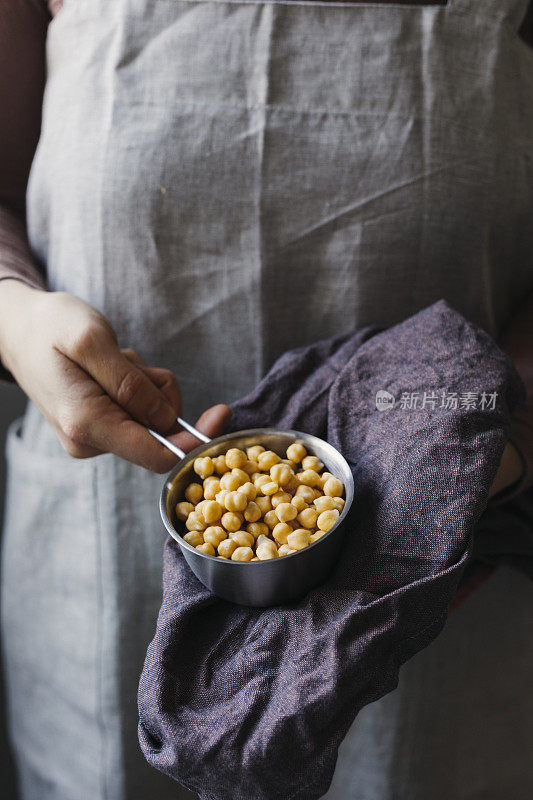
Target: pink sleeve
x=22 y=76
x=16 y=260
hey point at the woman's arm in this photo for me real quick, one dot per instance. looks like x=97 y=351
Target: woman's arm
x=63 y=353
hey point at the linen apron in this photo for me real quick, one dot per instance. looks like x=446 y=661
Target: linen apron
x=227 y=180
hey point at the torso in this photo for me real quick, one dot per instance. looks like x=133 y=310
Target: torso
x=222 y=199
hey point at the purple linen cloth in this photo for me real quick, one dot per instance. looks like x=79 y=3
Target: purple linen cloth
x=239 y=703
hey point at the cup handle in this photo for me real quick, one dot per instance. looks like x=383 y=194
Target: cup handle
x=188 y=427
x=172 y=447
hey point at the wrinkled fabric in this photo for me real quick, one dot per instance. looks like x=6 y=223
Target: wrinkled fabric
x=460 y=722
x=227 y=181
x=237 y=702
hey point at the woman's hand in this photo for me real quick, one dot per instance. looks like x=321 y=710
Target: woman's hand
x=99 y=398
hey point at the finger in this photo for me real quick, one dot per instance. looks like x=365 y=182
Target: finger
x=167 y=382
x=132 y=356
x=212 y=423
x=162 y=378
x=103 y=426
x=126 y=383
x=133 y=442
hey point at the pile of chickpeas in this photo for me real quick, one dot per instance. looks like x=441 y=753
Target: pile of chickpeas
x=254 y=505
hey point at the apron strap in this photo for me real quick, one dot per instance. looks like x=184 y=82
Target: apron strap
x=511 y=11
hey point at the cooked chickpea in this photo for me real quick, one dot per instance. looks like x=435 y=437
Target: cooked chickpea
x=298 y=503
x=230 y=482
x=242 y=476
x=293 y=466
x=194 y=538
x=231 y=521
x=327 y=519
x=285 y=550
x=269 y=488
x=206 y=548
x=306 y=493
x=258 y=506
x=266 y=549
x=324 y=503
x=267 y=459
x=312 y=462
x=194 y=493
x=183 y=510
x=308 y=517
x=220 y=465
x=242 y=554
x=242 y=538
x=286 y=512
x=338 y=503
x=333 y=487
x=235 y=501
x=195 y=522
x=199 y=508
x=271 y=519
x=221 y=496
x=249 y=490
x=252 y=512
x=226 y=548
x=204 y=467
x=211 y=487
x=281 y=473
x=211 y=511
x=296 y=452
x=235 y=457
x=281 y=531
x=324 y=476
x=251 y=467
x=254 y=451
x=280 y=497
x=298 y=539
x=258 y=528
x=264 y=503
x=293 y=484
x=214 y=535
x=308 y=477
x=261 y=480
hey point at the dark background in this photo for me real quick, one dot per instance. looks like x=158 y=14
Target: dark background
x=12 y=403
